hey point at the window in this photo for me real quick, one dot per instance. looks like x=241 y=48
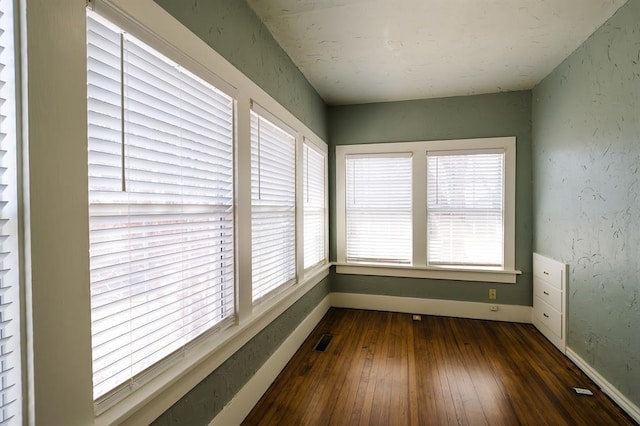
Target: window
x=378 y=208
x=465 y=199
x=314 y=177
x=161 y=213
x=437 y=209
x=273 y=204
x=10 y=346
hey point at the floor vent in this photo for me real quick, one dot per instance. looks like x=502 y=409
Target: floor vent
x=323 y=343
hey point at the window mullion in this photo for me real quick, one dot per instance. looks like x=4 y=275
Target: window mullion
x=419 y=207
x=299 y=215
x=243 y=212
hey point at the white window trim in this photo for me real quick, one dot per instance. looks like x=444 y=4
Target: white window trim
x=16 y=384
x=150 y=23
x=418 y=268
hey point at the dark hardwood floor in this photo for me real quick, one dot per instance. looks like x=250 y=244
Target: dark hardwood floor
x=386 y=369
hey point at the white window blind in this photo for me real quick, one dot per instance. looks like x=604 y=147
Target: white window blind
x=273 y=224
x=161 y=207
x=314 y=204
x=378 y=208
x=10 y=347
x=465 y=199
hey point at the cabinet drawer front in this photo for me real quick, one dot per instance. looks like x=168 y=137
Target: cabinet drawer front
x=548 y=293
x=548 y=316
x=549 y=270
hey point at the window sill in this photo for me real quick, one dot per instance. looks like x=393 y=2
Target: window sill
x=480 y=275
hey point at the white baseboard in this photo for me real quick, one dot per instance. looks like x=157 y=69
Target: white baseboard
x=242 y=403
x=613 y=393
x=439 y=307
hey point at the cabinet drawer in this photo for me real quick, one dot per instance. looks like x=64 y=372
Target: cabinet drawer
x=549 y=270
x=548 y=316
x=548 y=293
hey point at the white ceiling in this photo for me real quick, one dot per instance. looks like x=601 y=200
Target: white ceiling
x=361 y=51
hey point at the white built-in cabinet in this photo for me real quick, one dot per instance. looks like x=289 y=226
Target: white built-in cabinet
x=549 y=299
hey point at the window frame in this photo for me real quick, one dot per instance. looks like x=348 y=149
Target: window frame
x=163 y=53
x=321 y=149
x=263 y=114
x=418 y=268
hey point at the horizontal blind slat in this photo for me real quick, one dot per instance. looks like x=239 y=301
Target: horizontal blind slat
x=151 y=318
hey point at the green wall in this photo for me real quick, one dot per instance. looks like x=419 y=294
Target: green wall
x=586 y=161
x=233 y=30
x=502 y=114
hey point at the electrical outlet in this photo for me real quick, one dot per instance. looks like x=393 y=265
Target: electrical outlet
x=494 y=308
x=493 y=294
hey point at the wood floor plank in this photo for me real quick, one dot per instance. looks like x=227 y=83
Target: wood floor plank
x=383 y=368
x=364 y=362
x=437 y=387
x=346 y=393
x=412 y=384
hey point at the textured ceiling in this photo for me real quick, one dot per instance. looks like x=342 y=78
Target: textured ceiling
x=361 y=51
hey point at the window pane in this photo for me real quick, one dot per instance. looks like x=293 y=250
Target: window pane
x=378 y=203
x=161 y=205
x=465 y=198
x=314 y=205
x=273 y=221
